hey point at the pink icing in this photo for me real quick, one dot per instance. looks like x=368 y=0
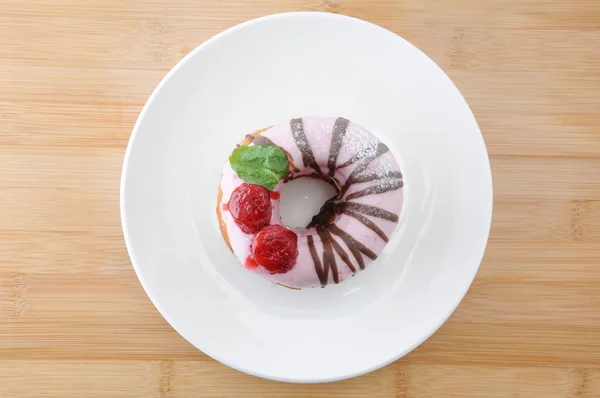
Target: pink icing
x=318 y=132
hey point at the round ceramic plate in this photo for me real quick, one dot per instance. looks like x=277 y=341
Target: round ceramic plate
x=264 y=72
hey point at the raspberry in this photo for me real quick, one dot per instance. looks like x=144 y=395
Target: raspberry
x=275 y=248
x=250 y=207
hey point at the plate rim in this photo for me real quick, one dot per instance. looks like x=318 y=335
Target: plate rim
x=129 y=246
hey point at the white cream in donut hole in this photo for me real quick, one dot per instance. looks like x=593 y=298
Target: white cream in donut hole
x=354 y=227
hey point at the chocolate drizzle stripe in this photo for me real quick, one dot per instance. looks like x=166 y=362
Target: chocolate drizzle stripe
x=315 y=257
x=342 y=253
x=364 y=163
x=308 y=158
x=376 y=176
x=261 y=140
x=377 y=189
x=328 y=256
x=368 y=210
x=330 y=234
x=361 y=154
x=356 y=248
x=367 y=223
x=339 y=130
x=368 y=154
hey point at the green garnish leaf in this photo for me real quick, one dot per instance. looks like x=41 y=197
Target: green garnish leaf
x=262 y=165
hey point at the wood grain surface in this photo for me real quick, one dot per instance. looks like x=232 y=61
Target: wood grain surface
x=74 y=320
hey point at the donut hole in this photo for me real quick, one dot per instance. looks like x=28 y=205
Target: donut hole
x=302 y=198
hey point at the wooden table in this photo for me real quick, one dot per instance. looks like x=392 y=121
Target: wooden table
x=75 y=321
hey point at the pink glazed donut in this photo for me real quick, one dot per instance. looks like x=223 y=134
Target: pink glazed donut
x=351 y=229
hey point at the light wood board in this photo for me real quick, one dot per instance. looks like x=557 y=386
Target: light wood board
x=74 y=320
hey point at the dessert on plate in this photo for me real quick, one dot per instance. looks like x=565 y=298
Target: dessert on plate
x=350 y=230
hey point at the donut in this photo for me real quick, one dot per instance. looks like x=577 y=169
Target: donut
x=351 y=228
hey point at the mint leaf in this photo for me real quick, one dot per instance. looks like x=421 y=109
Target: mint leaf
x=262 y=165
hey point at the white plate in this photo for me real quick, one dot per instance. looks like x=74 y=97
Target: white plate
x=263 y=72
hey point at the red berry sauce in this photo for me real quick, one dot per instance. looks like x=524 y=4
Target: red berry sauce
x=250 y=264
